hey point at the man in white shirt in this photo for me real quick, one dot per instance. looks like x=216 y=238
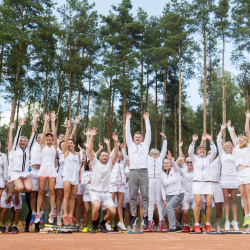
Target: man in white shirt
x=99 y=189
x=138 y=177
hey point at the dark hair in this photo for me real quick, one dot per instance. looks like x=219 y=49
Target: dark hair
x=86 y=166
x=72 y=141
x=60 y=144
x=138 y=133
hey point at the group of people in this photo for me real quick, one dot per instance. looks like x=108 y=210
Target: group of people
x=145 y=184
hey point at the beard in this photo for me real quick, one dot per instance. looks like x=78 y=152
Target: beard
x=243 y=145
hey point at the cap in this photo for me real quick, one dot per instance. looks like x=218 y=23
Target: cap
x=49 y=133
x=201 y=146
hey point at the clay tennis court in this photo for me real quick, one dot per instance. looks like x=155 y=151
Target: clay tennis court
x=123 y=241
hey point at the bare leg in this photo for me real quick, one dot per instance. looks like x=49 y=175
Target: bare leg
x=4 y=215
x=33 y=201
x=244 y=198
x=78 y=207
x=86 y=213
x=197 y=206
x=66 y=188
x=17 y=216
x=226 y=202
x=42 y=182
x=44 y=202
x=19 y=186
x=72 y=200
x=59 y=200
x=120 y=197
x=27 y=184
x=95 y=210
x=110 y=214
x=52 y=182
x=209 y=201
x=234 y=202
x=185 y=216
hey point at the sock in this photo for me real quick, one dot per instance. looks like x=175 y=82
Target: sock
x=34 y=213
x=42 y=212
x=207 y=223
x=196 y=224
x=10 y=224
x=103 y=222
x=95 y=223
x=218 y=221
x=186 y=225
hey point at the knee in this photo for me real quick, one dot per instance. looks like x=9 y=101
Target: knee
x=51 y=192
x=86 y=210
x=209 y=204
x=41 y=192
x=185 y=212
x=112 y=211
x=28 y=189
x=18 y=189
x=226 y=200
x=233 y=200
x=198 y=204
x=73 y=197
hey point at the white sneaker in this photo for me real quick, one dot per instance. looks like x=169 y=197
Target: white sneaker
x=121 y=226
x=51 y=218
x=134 y=228
x=129 y=229
x=235 y=224
x=248 y=229
x=142 y=228
x=59 y=221
x=217 y=228
x=107 y=225
x=227 y=225
x=37 y=220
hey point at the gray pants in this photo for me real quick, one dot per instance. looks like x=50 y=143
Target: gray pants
x=138 y=178
x=173 y=201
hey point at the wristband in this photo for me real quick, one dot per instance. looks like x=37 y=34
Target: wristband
x=230 y=128
x=211 y=142
x=193 y=142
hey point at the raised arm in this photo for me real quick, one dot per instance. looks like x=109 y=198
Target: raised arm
x=18 y=134
x=128 y=132
x=124 y=154
x=46 y=121
x=34 y=125
x=93 y=133
x=247 y=124
x=116 y=149
x=76 y=121
x=147 y=138
x=173 y=164
x=219 y=138
x=203 y=139
x=32 y=138
x=107 y=142
x=191 y=148
x=100 y=149
x=87 y=134
x=164 y=146
x=181 y=159
x=53 y=124
x=232 y=133
x=65 y=147
x=10 y=142
x=212 y=156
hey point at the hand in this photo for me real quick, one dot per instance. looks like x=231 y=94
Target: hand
x=106 y=141
x=247 y=114
x=169 y=155
x=77 y=119
x=115 y=136
x=180 y=144
x=100 y=146
x=93 y=131
x=128 y=116
x=12 y=125
x=46 y=117
x=163 y=136
x=195 y=137
x=68 y=124
x=53 y=116
x=87 y=132
x=209 y=137
x=204 y=137
x=37 y=115
x=146 y=115
x=229 y=123
x=222 y=127
x=34 y=128
x=164 y=204
x=22 y=122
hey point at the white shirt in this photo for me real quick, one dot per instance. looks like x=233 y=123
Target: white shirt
x=187 y=181
x=202 y=165
x=101 y=175
x=138 y=153
x=242 y=155
x=215 y=170
x=36 y=154
x=171 y=182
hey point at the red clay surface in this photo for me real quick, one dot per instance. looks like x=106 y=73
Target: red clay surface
x=123 y=241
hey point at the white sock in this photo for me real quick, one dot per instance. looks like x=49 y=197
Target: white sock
x=218 y=221
x=196 y=224
x=34 y=213
x=14 y=225
x=186 y=225
x=42 y=212
x=207 y=223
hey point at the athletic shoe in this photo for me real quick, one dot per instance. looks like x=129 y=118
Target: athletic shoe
x=2 y=230
x=176 y=230
x=133 y=220
x=37 y=219
x=248 y=220
x=165 y=228
x=32 y=220
x=134 y=228
x=145 y=220
x=37 y=229
x=82 y=223
x=26 y=230
x=235 y=224
x=59 y=221
x=65 y=220
x=160 y=226
x=227 y=226
x=15 y=230
x=121 y=226
x=93 y=230
x=85 y=230
x=197 y=229
x=142 y=228
x=108 y=226
x=115 y=229
x=207 y=228
x=217 y=228
x=186 y=229
x=150 y=226
x=248 y=229
x=102 y=228
x=71 y=220
x=245 y=221
x=51 y=218
x=129 y=229
x=10 y=229
x=42 y=219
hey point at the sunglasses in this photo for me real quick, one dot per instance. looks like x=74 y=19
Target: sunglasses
x=154 y=152
x=189 y=162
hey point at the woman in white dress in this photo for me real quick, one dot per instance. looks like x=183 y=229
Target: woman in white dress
x=48 y=168
x=71 y=177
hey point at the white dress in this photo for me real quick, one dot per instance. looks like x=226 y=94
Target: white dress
x=59 y=179
x=71 y=169
x=47 y=168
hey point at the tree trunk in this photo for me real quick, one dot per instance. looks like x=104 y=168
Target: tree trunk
x=124 y=104
x=210 y=95
x=205 y=75
x=156 y=107
x=46 y=82
x=1 y=61
x=175 y=128
x=17 y=110
x=247 y=99
x=87 y=116
x=180 y=87
x=163 y=129
x=112 y=112
x=223 y=87
x=147 y=87
x=142 y=131
x=109 y=108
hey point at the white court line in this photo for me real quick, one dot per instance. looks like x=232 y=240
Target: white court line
x=166 y=235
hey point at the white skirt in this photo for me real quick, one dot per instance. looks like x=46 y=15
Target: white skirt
x=47 y=171
x=2 y=183
x=202 y=188
x=114 y=188
x=80 y=190
x=16 y=175
x=229 y=185
x=243 y=176
x=59 y=182
x=86 y=197
x=229 y=181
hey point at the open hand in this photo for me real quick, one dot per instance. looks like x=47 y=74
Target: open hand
x=195 y=137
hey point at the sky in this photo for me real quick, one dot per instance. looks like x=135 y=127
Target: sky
x=152 y=7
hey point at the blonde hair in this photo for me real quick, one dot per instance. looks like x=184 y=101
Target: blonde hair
x=227 y=142
x=243 y=145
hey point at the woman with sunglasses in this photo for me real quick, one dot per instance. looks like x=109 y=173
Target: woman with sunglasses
x=155 y=160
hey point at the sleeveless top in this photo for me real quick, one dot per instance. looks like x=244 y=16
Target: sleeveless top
x=48 y=156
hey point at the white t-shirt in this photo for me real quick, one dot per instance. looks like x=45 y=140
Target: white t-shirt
x=187 y=181
x=36 y=154
x=101 y=175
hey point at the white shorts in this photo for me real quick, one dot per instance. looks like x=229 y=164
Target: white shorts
x=47 y=171
x=217 y=193
x=2 y=182
x=188 y=203
x=34 y=179
x=74 y=183
x=202 y=188
x=104 y=198
x=86 y=197
x=243 y=176
x=59 y=182
x=80 y=190
x=114 y=188
x=12 y=201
